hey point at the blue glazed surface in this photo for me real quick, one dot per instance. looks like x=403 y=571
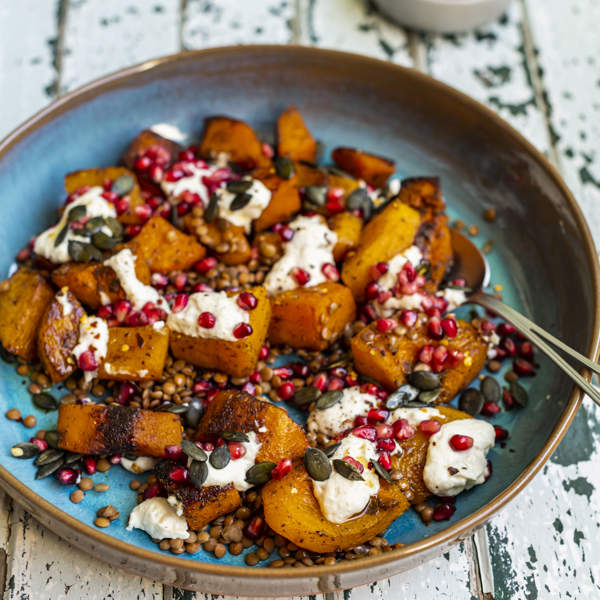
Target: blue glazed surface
x=476 y=170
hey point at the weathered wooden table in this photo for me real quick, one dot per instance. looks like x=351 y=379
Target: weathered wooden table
x=537 y=67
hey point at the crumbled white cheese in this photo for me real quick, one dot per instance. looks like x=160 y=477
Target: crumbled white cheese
x=224 y=308
x=447 y=471
x=454 y=297
x=341 y=499
x=309 y=249
x=138 y=293
x=93 y=335
x=340 y=416
x=176 y=504
x=192 y=183
x=414 y=415
x=96 y=206
x=63 y=300
x=235 y=471
x=159 y=519
x=140 y=464
x=260 y=196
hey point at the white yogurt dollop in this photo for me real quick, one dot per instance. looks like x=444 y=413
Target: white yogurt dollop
x=414 y=416
x=93 y=336
x=63 y=300
x=192 y=183
x=454 y=297
x=260 y=196
x=159 y=519
x=447 y=471
x=140 y=464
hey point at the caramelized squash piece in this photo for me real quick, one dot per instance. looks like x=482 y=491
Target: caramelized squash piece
x=423 y=194
x=310 y=175
x=292 y=511
x=411 y=461
x=285 y=200
x=375 y=170
x=237 y=358
x=58 y=334
x=386 y=235
x=294 y=140
x=280 y=437
x=347 y=227
x=312 y=317
x=145 y=140
x=165 y=247
x=22 y=306
x=91 y=282
x=236 y=138
x=102 y=429
x=135 y=353
x=346 y=183
x=387 y=358
x=223 y=232
x=200 y=505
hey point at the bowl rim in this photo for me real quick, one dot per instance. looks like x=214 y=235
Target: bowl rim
x=454 y=532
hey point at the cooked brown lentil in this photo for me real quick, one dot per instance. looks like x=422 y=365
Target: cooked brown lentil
x=102 y=522
x=103 y=465
x=76 y=496
x=13 y=414
x=30 y=421
x=86 y=484
x=102 y=487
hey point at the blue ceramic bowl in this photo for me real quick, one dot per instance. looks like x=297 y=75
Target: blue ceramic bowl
x=540 y=238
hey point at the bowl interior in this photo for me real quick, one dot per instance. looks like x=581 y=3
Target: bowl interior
x=345 y=100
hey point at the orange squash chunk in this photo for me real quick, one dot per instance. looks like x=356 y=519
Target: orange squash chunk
x=423 y=194
x=102 y=429
x=285 y=199
x=294 y=140
x=375 y=170
x=312 y=317
x=310 y=175
x=347 y=227
x=292 y=511
x=145 y=140
x=232 y=410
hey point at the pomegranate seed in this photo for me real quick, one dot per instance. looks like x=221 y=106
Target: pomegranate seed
x=122 y=205
x=110 y=196
x=360 y=421
x=254 y=528
x=408 y=317
x=89 y=464
x=105 y=312
x=156 y=173
x=379 y=415
x=202 y=287
x=509 y=346
x=434 y=328
x=501 y=433
x=440 y=354
x=207 y=320
x=505 y=329
x=300 y=369
x=489 y=409
x=335 y=193
x=384 y=296
x=508 y=399
x=191 y=198
x=180 y=302
x=386 y=445
x=330 y=271
x=41 y=444
x=127 y=390
x=335 y=383
x=365 y=432
x=173 y=452
x=523 y=367
x=384 y=325
x=283 y=372
x=334 y=207
x=455 y=357
x=267 y=150
x=242 y=330
x=121 y=309
x=320 y=381
x=152 y=313
x=286 y=390
x=403 y=430
x=526 y=351
x=179 y=474
x=285 y=233
x=132 y=230
x=206 y=264
x=372 y=290
x=385 y=460
x=461 y=442
x=143 y=211
x=115 y=459
x=200 y=387
x=429 y=427
x=208 y=446
x=137 y=319
x=283 y=467
x=256 y=377
x=487 y=326
x=87 y=361
x=152 y=491
x=382 y=268
x=183 y=208
x=67 y=476
x=249 y=388
x=384 y=432
x=425 y=354
x=443 y=512
x=356 y=464
x=301 y=276
x=236 y=449
x=264 y=352
x=408 y=271
x=142 y=163
x=247 y=301
x=180 y=281
x=186 y=156
x=449 y=327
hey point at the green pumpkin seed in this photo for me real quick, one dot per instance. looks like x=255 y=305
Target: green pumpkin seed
x=491 y=389
x=417 y=404
x=45 y=401
x=316 y=194
x=176 y=409
x=260 y=473
x=115 y=227
x=48 y=469
x=94 y=225
x=62 y=234
x=123 y=185
x=76 y=213
x=284 y=167
x=340 y=173
x=25 y=450
x=83 y=252
x=220 y=457
x=240 y=201
x=424 y=269
x=235 y=436
x=194 y=412
x=48 y=456
x=405 y=393
x=103 y=241
x=193 y=451
x=346 y=470
x=377 y=467
x=359 y=199
x=238 y=186
x=329 y=451
x=424 y=380
x=471 y=401
x=519 y=393
x=430 y=396
x=51 y=438
x=305 y=396
x=198 y=472
x=317 y=464
x=72 y=457
x=328 y=399
x=213 y=208
x=6 y=356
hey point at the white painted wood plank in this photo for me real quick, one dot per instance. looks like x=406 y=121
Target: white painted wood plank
x=41 y=566
x=354 y=26
x=26 y=52
x=101 y=37
x=207 y=23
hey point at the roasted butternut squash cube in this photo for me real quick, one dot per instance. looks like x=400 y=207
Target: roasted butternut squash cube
x=312 y=317
x=235 y=138
x=285 y=200
x=294 y=140
x=310 y=175
x=280 y=437
x=345 y=183
x=135 y=353
x=387 y=358
x=58 y=335
x=237 y=358
x=386 y=235
x=101 y=429
x=375 y=170
x=292 y=511
x=22 y=306
x=223 y=233
x=200 y=505
x=347 y=227
x=165 y=247
x=423 y=194
x=145 y=140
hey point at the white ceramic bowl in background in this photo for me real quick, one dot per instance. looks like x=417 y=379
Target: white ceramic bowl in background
x=444 y=16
